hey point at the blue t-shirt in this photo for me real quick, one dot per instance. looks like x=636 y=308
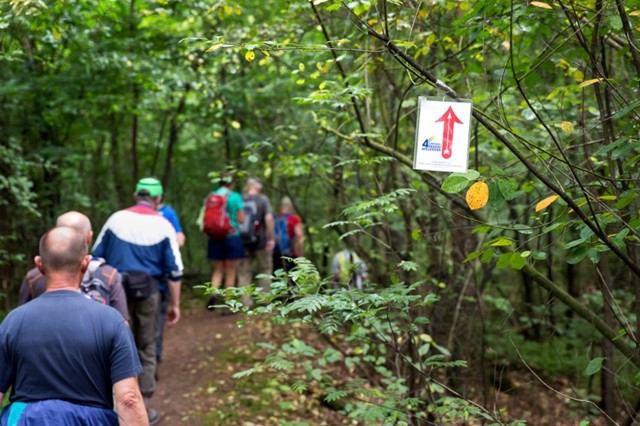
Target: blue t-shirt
x=62 y=345
x=170 y=214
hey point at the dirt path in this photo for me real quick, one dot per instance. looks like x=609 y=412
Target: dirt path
x=202 y=353
x=185 y=378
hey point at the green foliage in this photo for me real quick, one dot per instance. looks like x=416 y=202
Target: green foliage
x=318 y=100
x=368 y=332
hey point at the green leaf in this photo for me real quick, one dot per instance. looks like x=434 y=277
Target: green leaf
x=539 y=255
x=626 y=110
x=594 y=366
x=573 y=244
x=508 y=188
x=244 y=373
x=454 y=184
x=473 y=255
x=517 y=261
x=408 y=266
x=469 y=174
x=504 y=260
x=523 y=229
x=486 y=256
x=577 y=255
x=501 y=242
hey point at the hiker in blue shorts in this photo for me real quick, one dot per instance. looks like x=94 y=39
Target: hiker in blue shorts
x=226 y=251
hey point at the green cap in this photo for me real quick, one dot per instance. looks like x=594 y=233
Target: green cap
x=151 y=186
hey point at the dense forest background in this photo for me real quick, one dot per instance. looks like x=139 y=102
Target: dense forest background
x=318 y=99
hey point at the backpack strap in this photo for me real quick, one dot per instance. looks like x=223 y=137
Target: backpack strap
x=35 y=282
x=99 y=269
x=102 y=271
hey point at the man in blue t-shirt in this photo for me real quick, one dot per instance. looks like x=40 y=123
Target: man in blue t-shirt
x=64 y=356
x=170 y=214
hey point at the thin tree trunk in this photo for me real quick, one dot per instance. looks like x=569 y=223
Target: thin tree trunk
x=174 y=130
x=607 y=373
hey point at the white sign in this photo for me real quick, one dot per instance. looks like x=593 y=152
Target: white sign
x=442 y=136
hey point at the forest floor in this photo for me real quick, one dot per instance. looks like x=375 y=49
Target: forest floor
x=195 y=387
x=205 y=349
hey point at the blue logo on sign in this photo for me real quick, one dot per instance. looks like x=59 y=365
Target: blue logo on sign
x=431 y=146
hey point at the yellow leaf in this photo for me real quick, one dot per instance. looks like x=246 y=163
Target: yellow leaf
x=214 y=47
x=540 y=4
x=250 y=55
x=635 y=13
x=235 y=124
x=567 y=127
x=590 y=82
x=477 y=195
x=546 y=202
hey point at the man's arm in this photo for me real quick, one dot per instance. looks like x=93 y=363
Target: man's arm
x=298 y=234
x=129 y=402
x=173 y=310
x=271 y=236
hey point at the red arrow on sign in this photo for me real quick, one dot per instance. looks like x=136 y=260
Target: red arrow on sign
x=450 y=119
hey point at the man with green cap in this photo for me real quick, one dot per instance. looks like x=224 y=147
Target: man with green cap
x=142 y=245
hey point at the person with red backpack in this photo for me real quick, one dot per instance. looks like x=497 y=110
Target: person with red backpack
x=289 y=236
x=221 y=217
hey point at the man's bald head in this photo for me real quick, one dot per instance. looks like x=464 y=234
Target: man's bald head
x=75 y=220
x=254 y=183
x=63 y=249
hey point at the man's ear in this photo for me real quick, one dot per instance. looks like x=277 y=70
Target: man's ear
x=85 y=263
x=38 y=261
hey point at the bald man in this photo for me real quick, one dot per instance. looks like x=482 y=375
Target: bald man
x=101 y=282
x=65 y=357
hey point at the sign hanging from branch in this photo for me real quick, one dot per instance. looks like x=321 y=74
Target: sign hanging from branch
x=442 y=135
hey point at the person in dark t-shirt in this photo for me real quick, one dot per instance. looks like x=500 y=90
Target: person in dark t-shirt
x=65 y=357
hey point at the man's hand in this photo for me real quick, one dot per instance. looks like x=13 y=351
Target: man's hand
x=173 y=310
x=173 y=315
x=271 y=244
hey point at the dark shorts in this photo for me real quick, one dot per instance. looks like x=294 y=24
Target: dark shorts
x=230 y=248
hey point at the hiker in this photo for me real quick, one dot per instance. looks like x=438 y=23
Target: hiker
x=143 y=246
x=67 y=358
x=170 y=214
x=257 y=237
x=221 y=216
x=289 y=236
x=101 y=282
x=348 y=270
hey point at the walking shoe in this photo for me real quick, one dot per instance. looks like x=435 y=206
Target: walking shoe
x=154 y=417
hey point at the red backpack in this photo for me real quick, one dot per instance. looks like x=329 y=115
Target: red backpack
x=216 y=223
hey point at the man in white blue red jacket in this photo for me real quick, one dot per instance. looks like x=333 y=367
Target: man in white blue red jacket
x=142 y=245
